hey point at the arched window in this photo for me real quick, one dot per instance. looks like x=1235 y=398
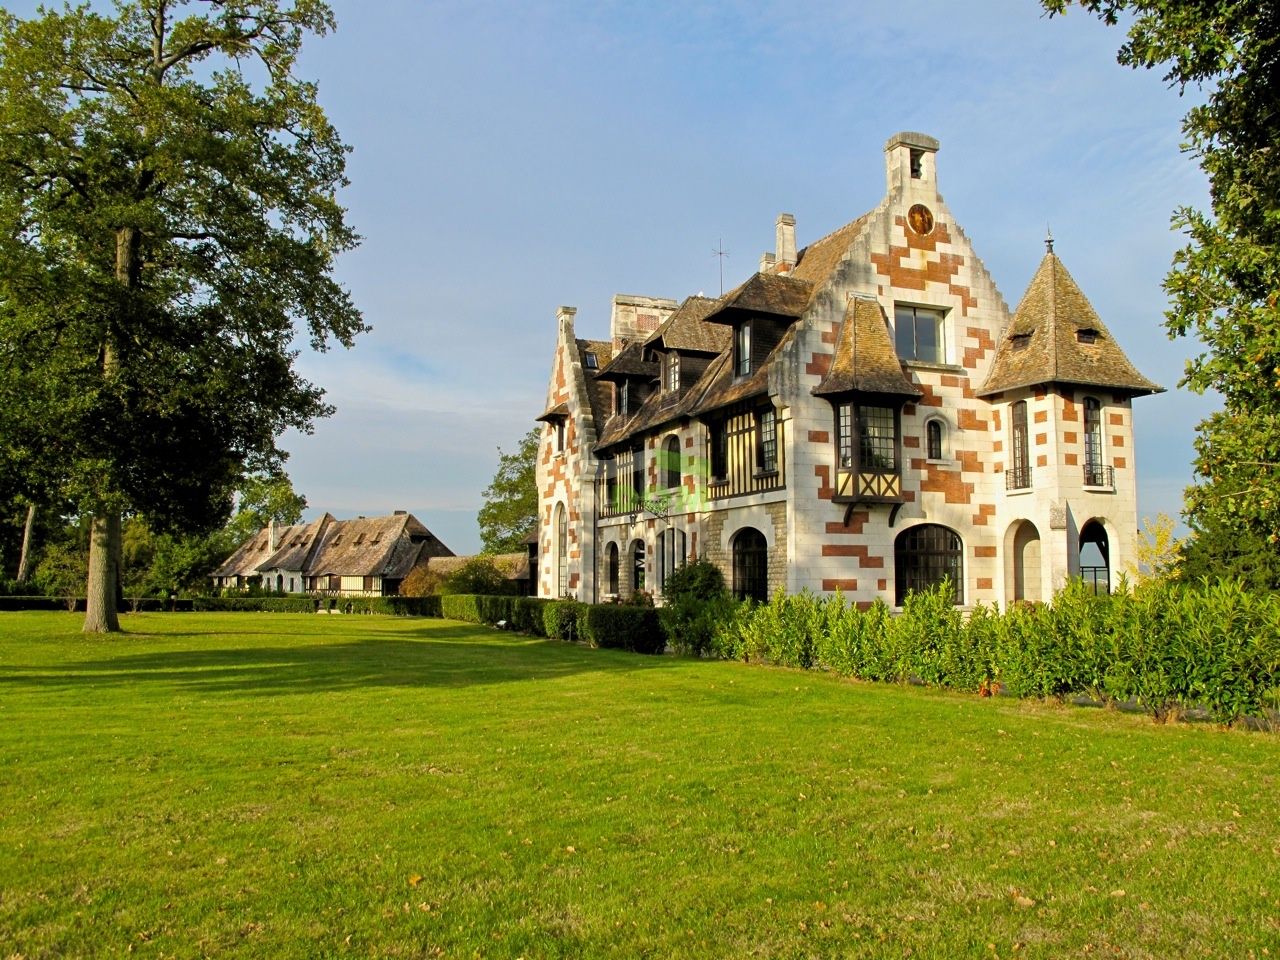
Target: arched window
x=671 y=554
x=671 y=458
x=611 y=568
x=1019 y=475
x=933 y=439
x=925 y=555
x=562 y=551
x=1093 y=473
x=637 y=566
x=1095 y=557
x=750 y=565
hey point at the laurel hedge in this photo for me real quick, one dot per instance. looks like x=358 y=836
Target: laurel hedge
x=1170 y=648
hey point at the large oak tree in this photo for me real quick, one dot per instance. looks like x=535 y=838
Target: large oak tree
x=1224 y=287
x=168 y=226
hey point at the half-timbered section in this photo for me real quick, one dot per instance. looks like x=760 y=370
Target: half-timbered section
x=862 y=415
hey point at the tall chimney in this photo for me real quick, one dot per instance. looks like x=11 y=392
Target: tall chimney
x=785 y=248
x=768 y=262
x=273 y=536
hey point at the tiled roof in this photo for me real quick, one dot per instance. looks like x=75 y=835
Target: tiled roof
x=629 y=362
x=865 y=359
x=1057 y=337
x=687 y=329
x=816 y=262
x=782 y=296
x=599 y=393
x=294 y=551
x=723 y=389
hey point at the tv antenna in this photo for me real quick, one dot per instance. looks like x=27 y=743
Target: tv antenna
x=720 y=252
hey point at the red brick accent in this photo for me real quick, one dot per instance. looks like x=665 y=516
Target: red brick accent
x=997 y=446
x=1070 y=436
x=1116 y=419
x=930 y=399
x=1120 y=462
x=1039 y=392
x=1071 y=460
x=833 y=584
x=825 y=490
x=820 y=365
x=966 y=419
x=865 y=605
x=984 y=551
x=829 y=335
x=985 y=512
x=688 y=442
x=1117 y=440
x=819 y=436
x=1070 y=412
x=911 y=443
x=882 y=584
x=974 y=355
x=984 y=583
x=1042 y=460
x=949 y=380
x=970 y=462
x=859 y=550
x=1041 y=439
x=995 y=418
x=1042 y=416
x=573 y=581
x=946 y=482
x=856 y=521
x=908 y=409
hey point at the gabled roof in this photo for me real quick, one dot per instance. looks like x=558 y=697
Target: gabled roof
x=598 y=392
x=258 y=549
x=865 y=359
x=373 y=546
x=1057 y=337
x=686 y=330
x=295 y=550
x=779 y=295
x=719 y=387
x=629 y=362
x=816 y=262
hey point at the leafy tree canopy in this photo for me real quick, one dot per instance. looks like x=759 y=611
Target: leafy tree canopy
x=1225 y=283
x=168 y=226
x=510 y=510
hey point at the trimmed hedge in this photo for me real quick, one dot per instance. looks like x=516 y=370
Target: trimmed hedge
x=249 y=604
x=1168 y=647
x=621 y=627
x=601 y=625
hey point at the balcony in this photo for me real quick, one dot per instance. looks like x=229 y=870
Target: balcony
x=875 y=486
x=1018 y=478
x=1097 y=475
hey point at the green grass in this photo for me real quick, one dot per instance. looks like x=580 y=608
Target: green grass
x=301 y=786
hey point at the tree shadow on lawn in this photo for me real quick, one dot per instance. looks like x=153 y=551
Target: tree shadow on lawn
x=441 y=658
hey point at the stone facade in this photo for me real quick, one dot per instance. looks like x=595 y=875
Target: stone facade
x=872 y=383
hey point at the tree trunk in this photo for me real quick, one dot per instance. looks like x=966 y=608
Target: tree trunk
x=24 y=559
x=101 y=611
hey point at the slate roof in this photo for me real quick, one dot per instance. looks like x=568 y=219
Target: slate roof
x=686 y=330
x=865 y=359
x=1043 y=344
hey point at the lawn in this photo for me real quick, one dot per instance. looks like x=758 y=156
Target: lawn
x=282 y=785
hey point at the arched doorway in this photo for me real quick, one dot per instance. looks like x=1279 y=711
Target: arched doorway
x=1095 y=557
x=750 y=565
x=637 y=566
x=611 y=568
x=1024 y=552
x=924 y=556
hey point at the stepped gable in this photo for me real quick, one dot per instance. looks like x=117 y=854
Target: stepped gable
x=687 y=330
x=1057 y=337
x=865 y=359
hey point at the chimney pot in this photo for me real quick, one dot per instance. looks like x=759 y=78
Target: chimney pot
x=767 y=262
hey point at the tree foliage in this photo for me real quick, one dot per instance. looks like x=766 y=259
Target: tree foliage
x=510 y=510
x=168 y=222
x=1225 y=282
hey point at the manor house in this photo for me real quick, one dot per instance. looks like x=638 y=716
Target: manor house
x=863 y=415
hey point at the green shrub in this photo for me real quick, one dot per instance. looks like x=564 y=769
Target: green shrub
x=479 y=576
x=560 y=619
x=460 y=606
x=695 y=602
x=621 y=627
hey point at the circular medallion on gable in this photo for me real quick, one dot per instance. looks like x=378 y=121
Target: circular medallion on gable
x=921 y=219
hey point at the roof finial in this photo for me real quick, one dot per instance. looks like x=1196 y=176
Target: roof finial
x=1048 y=239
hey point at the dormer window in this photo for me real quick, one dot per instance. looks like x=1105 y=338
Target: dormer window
x=672 y=380
x=622 y=394
x=1087 y=335
x=1020 y=341
x=593 y=363
x=742 y=349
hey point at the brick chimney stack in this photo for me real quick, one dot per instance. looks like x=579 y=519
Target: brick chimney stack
x=785 y=247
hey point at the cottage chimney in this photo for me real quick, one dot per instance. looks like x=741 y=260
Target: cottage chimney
x=635 y=317
x=399 y=513
x=273 y=535
x=785 y=248
x=768 y=262
x=909 y=163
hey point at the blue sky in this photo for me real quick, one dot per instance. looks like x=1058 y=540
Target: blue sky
x=511 y=157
